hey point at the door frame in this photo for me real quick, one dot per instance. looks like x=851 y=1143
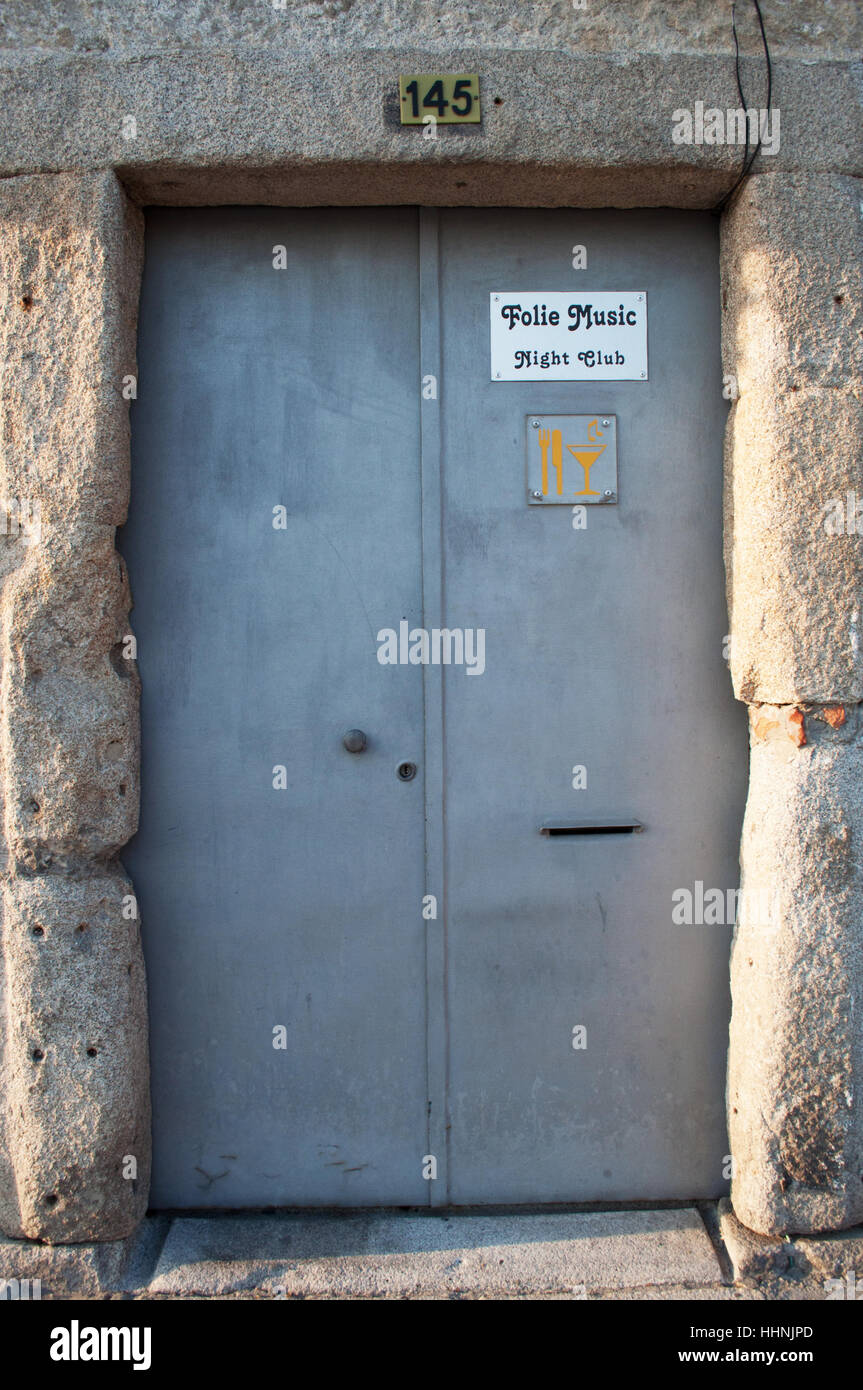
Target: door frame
x=790 y=258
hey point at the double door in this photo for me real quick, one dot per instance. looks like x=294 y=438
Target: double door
x=373 y=981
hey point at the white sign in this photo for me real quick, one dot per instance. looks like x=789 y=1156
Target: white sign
x=549 y=335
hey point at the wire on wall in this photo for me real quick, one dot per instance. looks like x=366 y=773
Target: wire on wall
x=748 y=160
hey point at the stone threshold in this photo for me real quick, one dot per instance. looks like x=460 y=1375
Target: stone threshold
x=674 y=1252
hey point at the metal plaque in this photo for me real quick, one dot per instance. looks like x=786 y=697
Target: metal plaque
x=571 y=459
x=450 y=98
x=576 y=335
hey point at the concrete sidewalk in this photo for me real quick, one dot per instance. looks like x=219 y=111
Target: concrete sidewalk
x=670 y=1252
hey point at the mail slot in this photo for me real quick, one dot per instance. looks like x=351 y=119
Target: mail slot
x=606 y=827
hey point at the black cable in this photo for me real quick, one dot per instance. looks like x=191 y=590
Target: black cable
x=740 y=85
x=748 y=160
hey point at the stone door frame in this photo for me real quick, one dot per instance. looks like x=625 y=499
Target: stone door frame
x=74 y=1162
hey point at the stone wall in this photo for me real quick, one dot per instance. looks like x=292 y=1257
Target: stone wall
x=109 y=106
x=797 y=28
x=75 y=1055
x=792 y=277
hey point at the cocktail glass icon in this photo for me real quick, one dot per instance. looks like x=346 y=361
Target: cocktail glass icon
x=586 y=456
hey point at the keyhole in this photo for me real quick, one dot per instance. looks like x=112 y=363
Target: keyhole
x=406 y=771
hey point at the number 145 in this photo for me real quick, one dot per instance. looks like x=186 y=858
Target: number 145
x=448 y=98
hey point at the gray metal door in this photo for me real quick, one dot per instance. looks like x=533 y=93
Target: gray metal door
x=604 y=651
x=270 y=907
x=417 y=952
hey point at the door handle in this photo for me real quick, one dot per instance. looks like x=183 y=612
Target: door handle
x=355 y=740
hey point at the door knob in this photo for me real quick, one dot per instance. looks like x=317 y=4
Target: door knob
x=355 y=740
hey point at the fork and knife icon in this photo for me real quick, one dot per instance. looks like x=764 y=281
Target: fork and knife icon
x=586 y=456
x=556 y=439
